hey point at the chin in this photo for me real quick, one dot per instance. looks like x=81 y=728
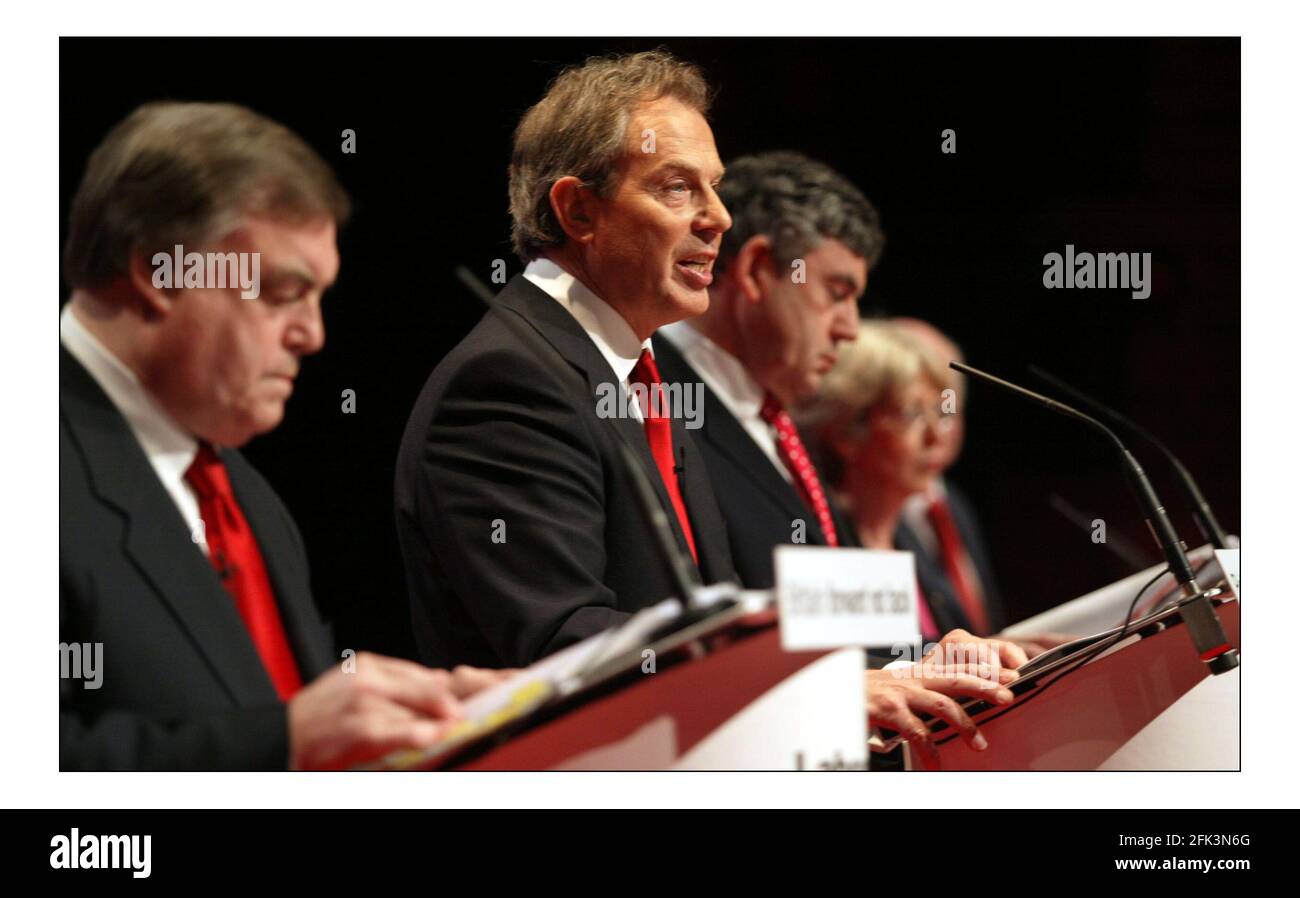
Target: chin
x=689 y=303
x=262 y=421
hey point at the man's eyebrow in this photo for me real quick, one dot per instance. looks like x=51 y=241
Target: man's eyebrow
x=849 y=281
x=682 y=165
x=295 y=272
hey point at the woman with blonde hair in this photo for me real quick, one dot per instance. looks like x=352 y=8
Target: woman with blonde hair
x=876 y=430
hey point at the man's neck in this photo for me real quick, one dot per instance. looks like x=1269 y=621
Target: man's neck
x=719 y=325
x=573 y=264
x=107 y=322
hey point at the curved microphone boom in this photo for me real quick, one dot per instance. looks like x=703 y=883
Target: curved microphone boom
x=1202 y=623
x=1205 y=518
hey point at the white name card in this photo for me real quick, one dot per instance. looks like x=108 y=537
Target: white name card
x=1230 y=562
x=830 y=598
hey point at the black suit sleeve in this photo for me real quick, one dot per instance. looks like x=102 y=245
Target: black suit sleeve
x=512 y=495
x=255 y=738
x=244 y=739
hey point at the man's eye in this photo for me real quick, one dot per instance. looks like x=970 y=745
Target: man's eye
x=678 y=186
x=281 y=297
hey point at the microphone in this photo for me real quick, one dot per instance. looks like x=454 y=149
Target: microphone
x=1204 y=515
x=685 y=575
x=1202 y=623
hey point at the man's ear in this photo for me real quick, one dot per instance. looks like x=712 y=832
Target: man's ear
x=147 y=279
x=753 y=263
x=574 y=206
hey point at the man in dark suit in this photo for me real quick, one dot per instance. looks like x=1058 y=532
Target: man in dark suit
x=791 y=272
x=518 y=518
x=183 y=580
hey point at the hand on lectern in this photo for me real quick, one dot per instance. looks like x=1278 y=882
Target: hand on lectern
x=963 y=648
x=961 y=665
x=361 y=710
x=1034 y=644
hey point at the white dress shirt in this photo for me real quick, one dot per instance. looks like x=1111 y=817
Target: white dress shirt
x=168 y=446
x=608 y=329
x=727 y=377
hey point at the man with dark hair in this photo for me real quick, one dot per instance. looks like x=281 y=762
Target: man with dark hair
x=789 y=277
x=182 y=574
x=517 y=514
x=790 y=274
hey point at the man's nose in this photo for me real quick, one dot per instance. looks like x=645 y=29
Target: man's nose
x=714 y=217
x=306 y=333
x=844 y=324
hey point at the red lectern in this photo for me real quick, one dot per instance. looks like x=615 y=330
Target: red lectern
x=1081 y=721
x=732 y=700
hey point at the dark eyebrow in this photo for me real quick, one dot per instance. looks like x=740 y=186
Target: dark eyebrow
x=854 y=287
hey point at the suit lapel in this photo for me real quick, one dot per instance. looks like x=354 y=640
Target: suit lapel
x=562 y=332
x=157 y=540
x=292 y=588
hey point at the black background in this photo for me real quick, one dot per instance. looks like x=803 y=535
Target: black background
x=1112 y=145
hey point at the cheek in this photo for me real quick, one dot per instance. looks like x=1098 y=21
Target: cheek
x=241 y=359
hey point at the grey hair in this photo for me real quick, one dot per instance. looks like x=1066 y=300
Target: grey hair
x=797 y=202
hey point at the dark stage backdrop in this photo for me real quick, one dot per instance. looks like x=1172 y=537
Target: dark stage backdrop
x=1111 y=145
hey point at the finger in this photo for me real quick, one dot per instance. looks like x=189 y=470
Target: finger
x=416 y=687
x=944 y=708
x=466 y=680
x=990 y=675
x=1031 y=649
x=966 y=686
x=1012 y=655
x=385 y=735
x=888 y=708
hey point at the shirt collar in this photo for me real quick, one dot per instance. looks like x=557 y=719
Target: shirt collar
x=163 y=440
x=608 y=329
x=725 y=374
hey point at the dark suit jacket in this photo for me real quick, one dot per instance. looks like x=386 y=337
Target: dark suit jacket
x=182 y=685
x=518 y=521
x=759 y=505
x=933 y=576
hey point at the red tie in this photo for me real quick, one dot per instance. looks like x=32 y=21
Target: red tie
x=659 y=431
x=232 y=549
x=957 y=562
x=799 y=465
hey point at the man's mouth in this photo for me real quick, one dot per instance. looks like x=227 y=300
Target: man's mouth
x=697 y=269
